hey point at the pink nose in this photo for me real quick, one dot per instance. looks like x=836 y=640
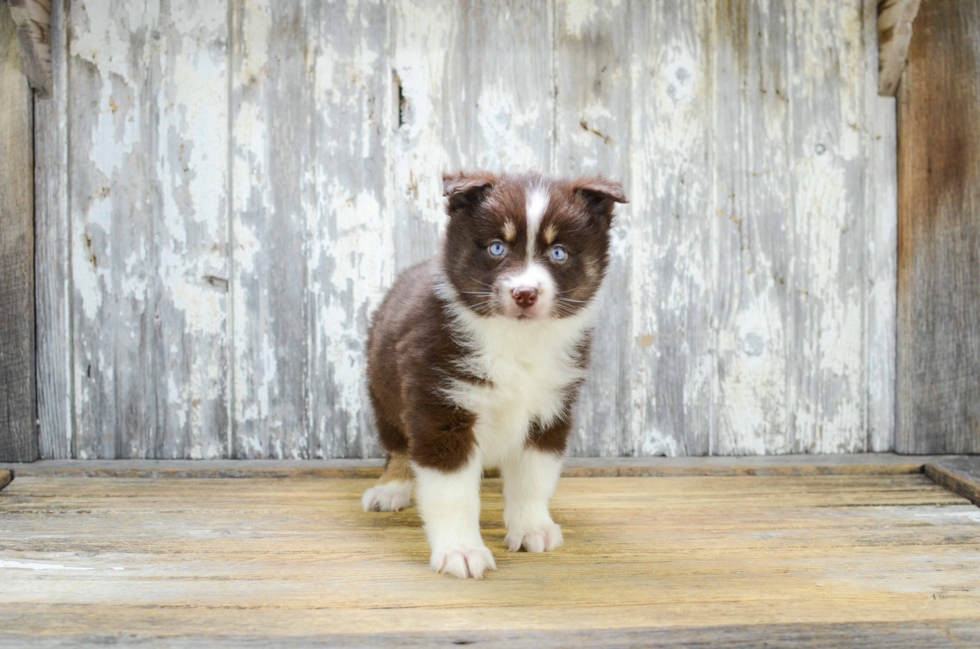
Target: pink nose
x=525 y=296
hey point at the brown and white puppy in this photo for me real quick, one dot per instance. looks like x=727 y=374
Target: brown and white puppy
x=476 y=358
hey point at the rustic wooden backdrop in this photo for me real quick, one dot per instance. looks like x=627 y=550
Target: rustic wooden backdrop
x=226 y=188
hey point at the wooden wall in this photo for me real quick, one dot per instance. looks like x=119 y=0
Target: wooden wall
x=229 y=187
x=939 y=233
x=18 y=429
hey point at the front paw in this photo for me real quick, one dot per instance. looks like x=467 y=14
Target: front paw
x=543 y=539
x=388 y=497
x=463 y=562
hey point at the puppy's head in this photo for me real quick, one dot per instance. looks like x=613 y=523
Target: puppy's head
x=526 y=246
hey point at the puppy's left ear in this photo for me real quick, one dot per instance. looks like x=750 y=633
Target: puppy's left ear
x=600 y=197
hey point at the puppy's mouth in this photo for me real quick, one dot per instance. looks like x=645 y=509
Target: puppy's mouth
x=528 y=316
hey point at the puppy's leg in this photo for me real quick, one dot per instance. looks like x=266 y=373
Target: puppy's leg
x=529 y=482
x=450 y=507
x=394 y=489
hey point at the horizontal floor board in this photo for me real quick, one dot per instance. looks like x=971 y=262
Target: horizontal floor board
x=266 y=560
x=839 y=464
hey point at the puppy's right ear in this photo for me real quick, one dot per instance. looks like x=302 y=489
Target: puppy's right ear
x=465 y=190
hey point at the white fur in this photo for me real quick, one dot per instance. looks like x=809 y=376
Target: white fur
x=389 y=497
x=536 y=204
x=529 y=364
x=449 y=504
x=529 y=483
x=536 y=276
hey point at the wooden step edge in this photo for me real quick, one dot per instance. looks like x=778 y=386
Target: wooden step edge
x=961 y=475
x=6 y=477
x=783 y=465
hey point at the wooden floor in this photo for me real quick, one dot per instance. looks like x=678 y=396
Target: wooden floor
x=793 y=560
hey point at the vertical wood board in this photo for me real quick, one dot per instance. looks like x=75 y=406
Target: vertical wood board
x=272 y=168
x=751 y=221
x=592 y=136
x=351 y=229
x=938 y=374
x=670 y=237
x=881 y=238
x=18 y=438
x=52 y=251
x=147 y=155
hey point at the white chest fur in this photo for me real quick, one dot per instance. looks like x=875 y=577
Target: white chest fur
x=528 y=367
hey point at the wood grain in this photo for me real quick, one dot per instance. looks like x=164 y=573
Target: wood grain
x=802 y=344
x=592 y=65
x=881 y=232
x=670 y=167
x=18 y=433
x=895 y=19
x=957 y=634
x=351 y=228
x=961 y=475
x=148 y=150
x=33 y=19
x=273 y=185
x=218 y=307
x=938 y=382
x=754 y=296
x=268 y=559
x=52 y=264
x=784 y=465
x=830 y=127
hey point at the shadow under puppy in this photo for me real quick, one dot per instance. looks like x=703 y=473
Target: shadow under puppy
x=477 y=355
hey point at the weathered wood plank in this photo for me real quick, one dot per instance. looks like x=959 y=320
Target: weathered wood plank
x=33 y=18
x=953 y=634
x=671 y=99
x=939 y=234
x=827 y=287
x=592 y=136
x=753 y=208
x=351 y=230
x=263 y=558
x=894 y=27
x=148 y=105
x=6 y=477
x=961 y=475
x=801 y=151
x=498 y=93
x=18 y=436
x=421 y=33
x=845 y=464
x=881 y=234
x=52 y=269
x=274 y=201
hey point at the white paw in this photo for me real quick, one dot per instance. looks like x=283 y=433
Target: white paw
x=388 y=497
x=544 y=539
x=463 y=563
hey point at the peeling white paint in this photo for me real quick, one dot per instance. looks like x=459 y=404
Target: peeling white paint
x=753 y=319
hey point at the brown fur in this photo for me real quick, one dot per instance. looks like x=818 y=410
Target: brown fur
x=397 y=469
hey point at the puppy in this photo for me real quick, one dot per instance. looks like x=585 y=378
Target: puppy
x=476 y=358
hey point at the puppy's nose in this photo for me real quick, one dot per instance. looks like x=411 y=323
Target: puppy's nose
x=525 y=296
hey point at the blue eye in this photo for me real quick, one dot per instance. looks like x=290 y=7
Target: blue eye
x=558 y=253
x=497 y=249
